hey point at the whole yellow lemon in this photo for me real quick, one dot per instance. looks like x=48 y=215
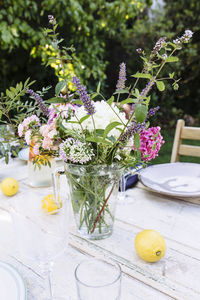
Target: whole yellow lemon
x=150 y=245
x=9 y=186
x=49 y=205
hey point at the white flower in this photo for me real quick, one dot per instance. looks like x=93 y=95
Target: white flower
x=103 y=116
x=76 y=151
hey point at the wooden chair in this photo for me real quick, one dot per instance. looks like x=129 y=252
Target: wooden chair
x=188 y=133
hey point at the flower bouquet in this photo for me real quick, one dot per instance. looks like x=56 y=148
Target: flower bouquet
x=94 y=138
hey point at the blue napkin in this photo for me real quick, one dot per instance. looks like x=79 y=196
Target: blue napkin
x=128 y=180
x=131 y=180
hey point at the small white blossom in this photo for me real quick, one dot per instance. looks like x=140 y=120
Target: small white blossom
x=76 y=151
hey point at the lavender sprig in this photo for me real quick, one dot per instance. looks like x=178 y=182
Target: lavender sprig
x=122 y=77
x=88 y=104
x=152 y=111
x=131 y=130
x=147 y=88
x=40 y=101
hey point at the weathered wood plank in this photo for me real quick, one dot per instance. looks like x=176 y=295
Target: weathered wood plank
x=189 y=150
x=166 y=276
x=190 y=133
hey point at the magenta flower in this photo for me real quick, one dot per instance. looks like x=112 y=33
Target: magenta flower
x=150 y=143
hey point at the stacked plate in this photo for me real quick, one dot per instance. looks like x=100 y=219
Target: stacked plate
x=173 y=179
x=12 y=285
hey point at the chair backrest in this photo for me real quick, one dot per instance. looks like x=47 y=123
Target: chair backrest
x=187 y=133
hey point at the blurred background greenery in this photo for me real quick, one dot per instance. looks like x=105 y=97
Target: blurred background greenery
x=104 y=33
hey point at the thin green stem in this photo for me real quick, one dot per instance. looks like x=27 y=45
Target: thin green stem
x=60 y=58
x=95 y=134
x=79 y=123
x=112 y=109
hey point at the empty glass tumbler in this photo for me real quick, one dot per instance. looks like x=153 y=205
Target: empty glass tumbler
x=98 y=279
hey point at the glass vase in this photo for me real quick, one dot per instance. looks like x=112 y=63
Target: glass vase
x=40 y=169
x=94 y=193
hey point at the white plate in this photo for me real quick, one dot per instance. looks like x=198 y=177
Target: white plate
x=175 y=179
x=12 y=285
x=23 y=154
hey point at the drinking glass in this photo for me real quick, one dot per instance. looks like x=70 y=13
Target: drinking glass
x=40 y=236
x=98 y=279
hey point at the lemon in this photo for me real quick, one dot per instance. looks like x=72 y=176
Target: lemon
x=150 y=245
x=9 y=186
x=48 y=204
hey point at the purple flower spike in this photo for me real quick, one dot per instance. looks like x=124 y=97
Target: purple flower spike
x=147 y=88
x=122 y=77
x=88 y=104
x=40 y=101
x=131 y=130
x=152 y=111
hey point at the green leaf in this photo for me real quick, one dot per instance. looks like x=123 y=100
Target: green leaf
x=129 y=100
x=125 y=91
x=137 y=140
x=172 y=59
x=59 y=86
x=13 y=90
x=171 y=75
x=140 y=113
x=26 y=82
x=98 y=87
x=84 y=118
x=142 y=75
x=110 y=101
x=172 y=44
x=98 y=140
x=56 y=100
x=100 y=132
x=109 y=127
x=137 y=93
x=19 y=87
x=79 y=102
x=9 y=94
x=160 y=85
x=94 y=95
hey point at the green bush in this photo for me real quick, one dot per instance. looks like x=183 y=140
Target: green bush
x=87 y=25
x=176 y=17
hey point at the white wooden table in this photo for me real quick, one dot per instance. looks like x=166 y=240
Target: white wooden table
x=176 y=276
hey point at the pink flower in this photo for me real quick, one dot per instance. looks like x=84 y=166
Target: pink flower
x=20 y=130
x=26 y=125
x=52 y=133
x=47 y=143
x=29 y=120
x=64 y=110
x=28 y=137
x=44 y=130
x=150 y=143
x=36 y=149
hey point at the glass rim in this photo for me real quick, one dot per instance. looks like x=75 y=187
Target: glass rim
x=113 y=165
x=101 y=260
